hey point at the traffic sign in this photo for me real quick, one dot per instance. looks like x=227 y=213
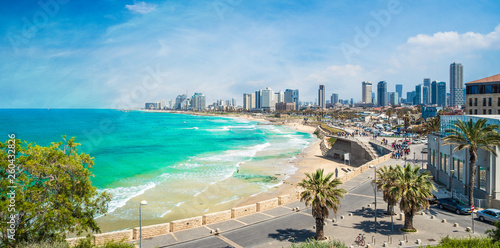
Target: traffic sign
x=472 y=208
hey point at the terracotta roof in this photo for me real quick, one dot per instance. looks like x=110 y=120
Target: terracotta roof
x=495 y=78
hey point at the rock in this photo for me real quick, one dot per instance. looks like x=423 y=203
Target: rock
x=455 y=225
x=468 y=229
x=419 y=242
x=443 y=221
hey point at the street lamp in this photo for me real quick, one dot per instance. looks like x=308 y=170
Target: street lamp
x=140 y=221
x=449 y=185
x=375 y=194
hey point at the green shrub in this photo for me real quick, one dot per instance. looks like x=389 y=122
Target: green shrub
x=312 y=243
x=467 y=242
x=331 y=141
x=45 y=245
x=494 y=234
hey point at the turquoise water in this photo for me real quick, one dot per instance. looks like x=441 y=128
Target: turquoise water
x=171 y=160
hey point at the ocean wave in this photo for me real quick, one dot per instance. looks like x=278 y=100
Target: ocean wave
x=170 y=210
x=236 y=155
x=121 y=195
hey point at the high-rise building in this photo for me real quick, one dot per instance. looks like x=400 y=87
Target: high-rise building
x=456 y=85
x=366 y=92
x=425 y=95
x=441 y=94
x=382 y=93
x=427 y=83
x=417 y=100
x=267 y=101
x=258 y=99
x=198 y=102
x=374 y=99
x=180 y=101
x=410 y=97
x=393 y=98
x=292 y=96
x=352 y=101
x=248 y=101
x=279 y=97
x=321 y=97
x=399 y=90
x=334 y=98
x=434 y=92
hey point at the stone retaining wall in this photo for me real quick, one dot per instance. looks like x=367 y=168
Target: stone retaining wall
x=179 y=225
x=266 y=205
x=216 y=217
x=101 y=239
x=285 y=199
x=151 y=231
x=243 y=211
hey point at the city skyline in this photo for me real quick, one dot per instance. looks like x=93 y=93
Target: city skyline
x=111 y=54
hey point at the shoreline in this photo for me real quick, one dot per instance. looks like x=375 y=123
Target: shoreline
x=307 y=161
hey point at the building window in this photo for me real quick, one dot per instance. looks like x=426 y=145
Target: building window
x=489 y=111
x=460 y=171
x=441 y=165
x=433 y=159
x=484 y=101
x=498 y=112
x=470 y=101
x=475 y=101
x=489 y=101
x=498 y=104
x=484 y=111
x=475 y=111
x=470 y=111
x=446 y=157
x=454 y=167
x=482 y=177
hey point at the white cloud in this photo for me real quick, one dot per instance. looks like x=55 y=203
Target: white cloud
x=141 y=7
x=451 y=42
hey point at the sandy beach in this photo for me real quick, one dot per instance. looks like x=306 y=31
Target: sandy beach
x=308 y=161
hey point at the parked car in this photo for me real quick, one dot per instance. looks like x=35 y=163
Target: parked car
x=433 y=200
x=425 y=141
x=490 y=214
x=425 y=150
x=416 y=141
x=454 y=205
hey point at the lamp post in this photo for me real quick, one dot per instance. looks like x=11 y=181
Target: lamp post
x=375 y=194
x=414 y=159
x=449 y=185
x=140 y=221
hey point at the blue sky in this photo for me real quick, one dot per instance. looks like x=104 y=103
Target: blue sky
x=120 y=53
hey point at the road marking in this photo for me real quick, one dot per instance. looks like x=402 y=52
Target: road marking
x=267 y=215
x=285 y=207
x=174 y=236
x=240 y=222
x=304 y=213
x=207 y=227
x=229 y=241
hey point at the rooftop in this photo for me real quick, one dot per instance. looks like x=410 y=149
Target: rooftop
x=495 y=78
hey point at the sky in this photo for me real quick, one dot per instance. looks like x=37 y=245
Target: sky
x=123 y=53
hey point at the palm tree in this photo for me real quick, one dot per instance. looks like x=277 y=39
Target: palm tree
x=412 y=188
x=473 y=136
x=385 y=180
x=321 y=193
x=432 y=125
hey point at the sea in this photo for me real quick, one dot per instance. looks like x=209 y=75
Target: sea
x=182 y=165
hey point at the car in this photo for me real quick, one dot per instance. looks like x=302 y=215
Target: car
x=425 y=141
x=416 y=141
x=425 y=150
x=454 y=205
x=490 y=214
x=433 y=200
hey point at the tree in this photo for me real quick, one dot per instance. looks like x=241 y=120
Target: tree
x=473 y=136
x=432 y=125
x=412 y=188
x=53 y=194
x=385 y=180
x=321 y=193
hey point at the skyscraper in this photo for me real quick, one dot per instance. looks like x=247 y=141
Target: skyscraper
x=425 y=95
x=456 y=84
x=198 y=102
x=366 y=92
x=248 y=101
x=258 y=99
x=321 y=97
x=434 y=92
x=441 y=94
x=417 y=99
x=374 y=99
x=382 y=93
x=399 y=90
x=292 y=96
x=267 y=101
x=393 y=98
x=427 y=83
x=334 y=98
